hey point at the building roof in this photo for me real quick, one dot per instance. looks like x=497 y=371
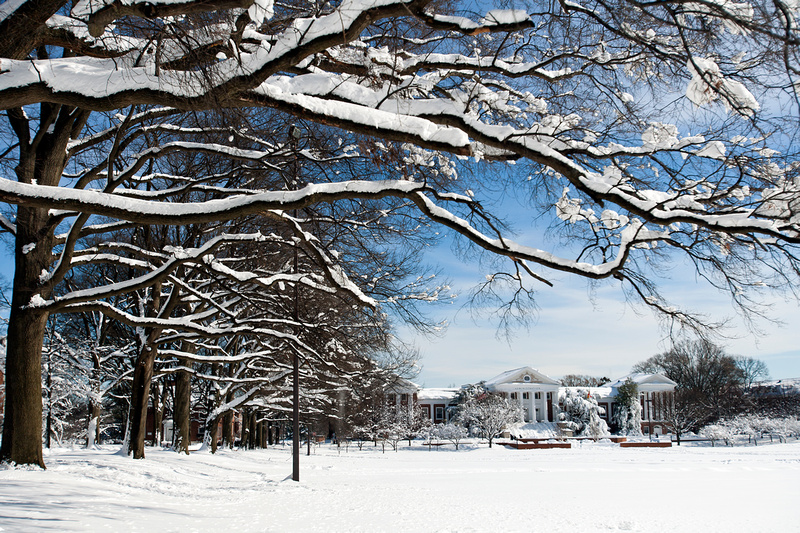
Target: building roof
x=641 y=378
x=777 y=388
x=400 y=384
x=596 y=392
x=517 y=375
x=445 y=394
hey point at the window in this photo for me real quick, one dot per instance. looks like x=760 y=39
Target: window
x=426 y=410
x=526 y=378
x=439 y=412
x=538 y=395
x=526 y=395
x=392 y=399
x=513 y=395
x=404 y=398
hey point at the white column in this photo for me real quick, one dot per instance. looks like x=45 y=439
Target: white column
x=532 y=402
x=543 y=401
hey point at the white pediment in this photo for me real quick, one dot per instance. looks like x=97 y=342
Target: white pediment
x=647 y=381
x=522 y=375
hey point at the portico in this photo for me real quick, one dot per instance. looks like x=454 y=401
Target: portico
x=535 y=393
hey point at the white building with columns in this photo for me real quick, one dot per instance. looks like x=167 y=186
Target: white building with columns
x=537 y=396
x=535 y=393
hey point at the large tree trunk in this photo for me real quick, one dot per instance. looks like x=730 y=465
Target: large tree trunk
x=253 y=430
x=262 y=434
x=142 y=379
x=41 y=160
x=140 y=397
x=183 y=406
x=22 y=426
x=245 y=429
x=227 y=424
x=22 y=423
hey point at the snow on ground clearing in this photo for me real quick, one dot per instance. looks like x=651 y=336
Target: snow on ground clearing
x=592 y=487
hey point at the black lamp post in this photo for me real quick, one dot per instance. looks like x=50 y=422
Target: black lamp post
x=294 y=137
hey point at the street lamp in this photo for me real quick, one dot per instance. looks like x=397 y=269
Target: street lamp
x=294 y=136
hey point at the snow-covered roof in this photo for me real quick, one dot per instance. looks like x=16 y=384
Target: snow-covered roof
x=777 y=387
x=403 y=385
x=445 y=394
x=518 y=375
x=641 y=378
x=596 y=392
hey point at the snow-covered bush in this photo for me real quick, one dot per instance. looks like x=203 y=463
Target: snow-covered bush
x=628 y=410
x=582 y=413
x=715 y=432
x=453 y=433
x=753 y=427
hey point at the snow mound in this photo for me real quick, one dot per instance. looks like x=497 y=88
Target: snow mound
x=535 y=430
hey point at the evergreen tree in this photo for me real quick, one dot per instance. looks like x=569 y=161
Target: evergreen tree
x=627 y=409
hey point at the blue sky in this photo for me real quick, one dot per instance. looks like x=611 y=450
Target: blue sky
x=588 y=332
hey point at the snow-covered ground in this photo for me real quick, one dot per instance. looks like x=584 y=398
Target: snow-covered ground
x=592 y=487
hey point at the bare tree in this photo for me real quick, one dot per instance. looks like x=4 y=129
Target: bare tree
x=753 y=370
x=681 y=412
x=583 y=380
x=709 y=380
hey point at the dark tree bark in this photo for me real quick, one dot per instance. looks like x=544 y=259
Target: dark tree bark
x=22 y=424
x=183 y=406
x=140 y=398
x=22 y=427
x=142 y=378
x=254 y=428
x=245 y=429
x=227 y=426
x=214 y=431
x=143 y=372
x=262 y=434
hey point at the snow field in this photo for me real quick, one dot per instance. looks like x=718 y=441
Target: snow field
x=592 y=487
